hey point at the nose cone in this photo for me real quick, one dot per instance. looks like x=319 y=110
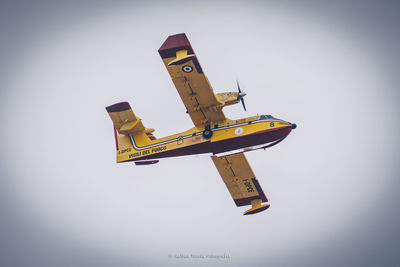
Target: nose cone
x=294 y=126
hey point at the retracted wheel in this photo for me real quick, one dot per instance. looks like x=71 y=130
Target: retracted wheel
x=207 y=133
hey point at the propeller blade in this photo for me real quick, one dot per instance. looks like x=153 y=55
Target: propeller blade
x=241 y=95
x=237 y=82
x=244 y=106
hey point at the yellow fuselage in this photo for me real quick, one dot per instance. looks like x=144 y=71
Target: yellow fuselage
x=231 y=135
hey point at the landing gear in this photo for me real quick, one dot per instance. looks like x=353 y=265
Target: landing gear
x=207 y=133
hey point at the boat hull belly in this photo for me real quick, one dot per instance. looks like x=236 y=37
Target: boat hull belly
x=250 y=140
x=222 y=146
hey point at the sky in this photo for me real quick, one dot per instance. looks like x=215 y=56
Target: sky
x=333 y=184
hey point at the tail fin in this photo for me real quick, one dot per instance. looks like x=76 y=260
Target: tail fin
x=126 y=124
x=124 y=119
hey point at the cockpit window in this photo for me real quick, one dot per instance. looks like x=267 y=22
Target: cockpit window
x=270 y=117
x=266 y=117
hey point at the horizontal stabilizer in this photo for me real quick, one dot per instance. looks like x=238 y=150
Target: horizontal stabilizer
x=147 y=162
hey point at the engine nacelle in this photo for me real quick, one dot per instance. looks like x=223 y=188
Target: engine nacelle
x=229 y=98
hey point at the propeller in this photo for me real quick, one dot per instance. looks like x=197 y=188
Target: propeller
x=241 y=95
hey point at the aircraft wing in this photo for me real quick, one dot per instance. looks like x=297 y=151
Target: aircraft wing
x=241 y=182
x=190 y=81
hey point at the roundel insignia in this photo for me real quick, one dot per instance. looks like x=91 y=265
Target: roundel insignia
x=187 y=68
x=239 y=131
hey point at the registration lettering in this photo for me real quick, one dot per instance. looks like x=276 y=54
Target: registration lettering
x=124 y=151
x=248 y=185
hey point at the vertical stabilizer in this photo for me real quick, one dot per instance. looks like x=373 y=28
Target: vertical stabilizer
x=127 y=125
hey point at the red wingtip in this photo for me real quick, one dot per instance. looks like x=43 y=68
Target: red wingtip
x=174 y=43
x=121 y=106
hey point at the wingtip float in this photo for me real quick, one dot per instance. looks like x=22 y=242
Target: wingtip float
x=224 y=139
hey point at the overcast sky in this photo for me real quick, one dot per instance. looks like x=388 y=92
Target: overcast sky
x=333 y=184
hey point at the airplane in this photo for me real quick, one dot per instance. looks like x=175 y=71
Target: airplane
x=225 y=140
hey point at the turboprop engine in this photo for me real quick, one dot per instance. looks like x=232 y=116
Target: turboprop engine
x=230 y=98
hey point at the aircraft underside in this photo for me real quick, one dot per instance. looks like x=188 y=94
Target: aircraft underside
x=245 y=143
